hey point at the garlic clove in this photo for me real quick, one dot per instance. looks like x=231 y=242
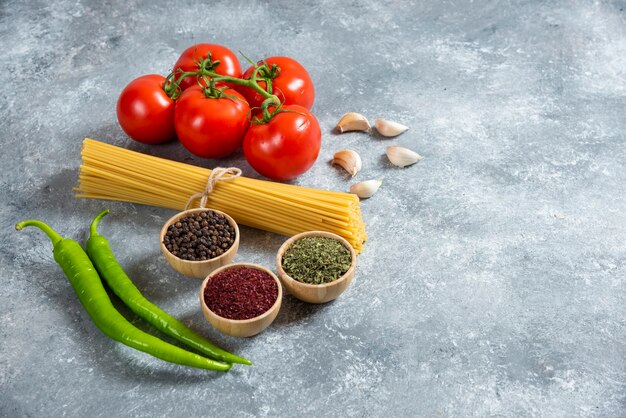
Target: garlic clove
x=349 y=160
x=389 y=128
x=401 y=156
x=365 y=188
x=353 y=121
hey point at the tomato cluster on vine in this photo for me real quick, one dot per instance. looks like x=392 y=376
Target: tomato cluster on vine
x=214 y=108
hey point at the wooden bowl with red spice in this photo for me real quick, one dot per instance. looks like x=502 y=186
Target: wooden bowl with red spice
x=322 y=292
x=199 y=268
x=241 y=299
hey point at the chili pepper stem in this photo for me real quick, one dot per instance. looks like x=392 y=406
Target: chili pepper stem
x=93 y=229
x=51 y=233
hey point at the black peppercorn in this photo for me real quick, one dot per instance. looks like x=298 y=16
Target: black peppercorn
x=200 y=236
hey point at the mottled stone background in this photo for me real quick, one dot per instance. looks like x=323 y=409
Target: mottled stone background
x=493 y=281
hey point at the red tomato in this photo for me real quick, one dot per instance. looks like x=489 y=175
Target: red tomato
x=286 y=146
x=229 y=65
x=292 y=85
x=209 y=127
x=145 y=112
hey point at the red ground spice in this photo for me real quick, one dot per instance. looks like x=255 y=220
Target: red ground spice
x=240 y=293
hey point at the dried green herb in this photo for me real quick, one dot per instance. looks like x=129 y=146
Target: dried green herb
x=316 y=260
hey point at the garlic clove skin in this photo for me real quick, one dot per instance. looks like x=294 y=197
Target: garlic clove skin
x=349 y=160
x=353 y=121
x=401 y=156
x=365 y=189
x=389 y=128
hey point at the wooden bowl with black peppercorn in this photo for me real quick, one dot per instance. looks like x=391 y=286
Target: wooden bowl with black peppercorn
x=197 y=241
x=322 y=286
x=241 y=299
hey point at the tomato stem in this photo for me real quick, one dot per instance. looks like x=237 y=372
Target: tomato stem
x=206 y=72
x=171 y=86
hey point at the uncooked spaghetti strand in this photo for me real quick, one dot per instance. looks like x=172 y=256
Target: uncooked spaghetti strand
x=166 y=180
x=137 y=158
x=134 y=167
x=295 y=197
x=115 y=173
x=140 y=196
x=222 y=194
x=228 y=193
x=276 y=211
x=273 y=200
x=281 y=224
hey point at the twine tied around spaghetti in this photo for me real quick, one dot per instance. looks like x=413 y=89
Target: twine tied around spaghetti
x=217 y=174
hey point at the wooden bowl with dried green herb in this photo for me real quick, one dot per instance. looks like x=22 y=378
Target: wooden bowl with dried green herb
x=316 y=266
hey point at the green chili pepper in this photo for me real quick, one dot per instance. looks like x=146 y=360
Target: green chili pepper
x=103 y=259
x=94 y=298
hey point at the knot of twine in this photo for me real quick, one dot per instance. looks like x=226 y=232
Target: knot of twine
x=217 y=174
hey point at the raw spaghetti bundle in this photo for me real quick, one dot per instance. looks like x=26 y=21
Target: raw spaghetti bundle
x=114 y=173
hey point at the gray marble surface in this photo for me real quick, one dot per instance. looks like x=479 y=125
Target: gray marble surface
x=493 y=281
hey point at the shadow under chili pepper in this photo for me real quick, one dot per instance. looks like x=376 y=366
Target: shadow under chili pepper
x=129 y=364
x=185 y=289
x=195 y=320
x=121 y=367
x=156 y=280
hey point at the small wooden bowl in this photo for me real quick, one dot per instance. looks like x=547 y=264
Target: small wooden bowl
x=315 y=293
x=241 y=327
x=199 y=269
